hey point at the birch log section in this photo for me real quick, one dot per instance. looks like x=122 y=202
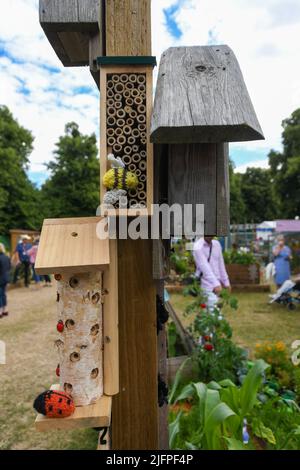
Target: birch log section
x=80 y=344
x=201 y=96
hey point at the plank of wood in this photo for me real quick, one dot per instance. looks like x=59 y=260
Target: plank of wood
x=70 y=245
x=111 y=323
x=69 y=15
x=96 y=415
x=128 y=27
x=223 y=192
x=135 y=409
x=192 y=180
x=201 y=96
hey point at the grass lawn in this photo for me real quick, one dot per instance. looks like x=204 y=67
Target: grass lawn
x=254 y=321
x=31 y=359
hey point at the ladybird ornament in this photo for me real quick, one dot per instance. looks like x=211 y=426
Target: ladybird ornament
x=60 y=326
x=54 y=404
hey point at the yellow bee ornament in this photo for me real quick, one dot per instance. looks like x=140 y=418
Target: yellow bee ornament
x=117 y=180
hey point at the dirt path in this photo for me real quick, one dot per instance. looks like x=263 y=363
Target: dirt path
x=31 y=359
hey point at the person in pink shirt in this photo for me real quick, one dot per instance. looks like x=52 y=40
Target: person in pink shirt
x=32 y=253
x=211 y=269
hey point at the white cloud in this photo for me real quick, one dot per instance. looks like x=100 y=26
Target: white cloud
x=262 y=35
x=252 y=164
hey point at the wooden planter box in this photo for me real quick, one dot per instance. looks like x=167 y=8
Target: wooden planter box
x=243 y=274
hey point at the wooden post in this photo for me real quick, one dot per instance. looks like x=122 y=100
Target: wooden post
x=135 y=409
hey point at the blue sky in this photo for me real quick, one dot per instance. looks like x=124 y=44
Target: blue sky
x=44 y=96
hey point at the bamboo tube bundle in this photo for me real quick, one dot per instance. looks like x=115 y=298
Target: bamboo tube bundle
x=142 y=127
x=129 y=102
x=142 y=165
x=127 y=130
x=110 y=94
x=142 y=195
x=126 y=159
x=80 y=343
x=143 y=135
x=111 y=121
x=124 y=78
x=110 y=132
x=110 y=102
x=135 y=148
x=143 y=178
x=131 y=141
x=111 y=141
x=133 y=203
x=141 y=119
x=133 y=114
x=111 y=111
x=132 y=78
x=141 y=79
x=121 y=139
x=110 y=84
x=132 y=192
x=118 y=97
x=138 y=172
x=136 y=158
x=128 y=150
x=117 y=148
x=143 y=141
x=132 y=167
x=118 y=104
x=144 y=97
x=119 y=87
x=140 y=186
x=120 y=123
x=121 y=113
x=141 y=109
x=115 y=78
x=135 y=133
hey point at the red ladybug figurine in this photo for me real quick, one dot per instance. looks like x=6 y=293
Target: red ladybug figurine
x=60 y=326
x=54 y=404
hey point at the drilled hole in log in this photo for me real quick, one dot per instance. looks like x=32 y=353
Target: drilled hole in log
x=57 y=277
x=68 y=388
x=94 y=373
x=200 y=68
x=107 y=339
x=96 y=298
x=70 y=324
x=95 y=329
x=74 y=282
x=75 y=357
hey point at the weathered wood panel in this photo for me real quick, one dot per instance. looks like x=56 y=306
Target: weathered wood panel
x=129 y=25
x=70 y=15
x=201 y=96
x=193 y=180
x=223 y=192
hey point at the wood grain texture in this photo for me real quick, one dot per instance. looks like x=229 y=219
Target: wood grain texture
x=135 y=410
x=201 y=96
x=193 y=180
x=60 y=251
x=90 y=416
x=70 y=15
x=128 y=27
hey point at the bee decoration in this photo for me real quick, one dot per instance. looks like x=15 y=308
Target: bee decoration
x=54 y=404
x=117 y=180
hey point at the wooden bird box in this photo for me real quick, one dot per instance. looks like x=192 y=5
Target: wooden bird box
x=85 y=268
x=201 y=104
x=201 y=96
x=126 y=106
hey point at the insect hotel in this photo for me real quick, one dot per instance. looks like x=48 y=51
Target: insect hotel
x=111 y=339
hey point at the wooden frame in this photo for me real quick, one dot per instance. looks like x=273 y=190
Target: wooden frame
x=105 y=149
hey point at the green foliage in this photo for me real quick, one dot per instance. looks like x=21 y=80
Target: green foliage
x=181 y=260
x=217 y=414
x=73 y=187
x=237 y=203
x=239 y=257
x=19 y=198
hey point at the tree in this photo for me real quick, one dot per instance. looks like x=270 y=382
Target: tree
x=258 y=195
x=285 y=167
x=73 y=187
x=237 y=205
x=19 y=198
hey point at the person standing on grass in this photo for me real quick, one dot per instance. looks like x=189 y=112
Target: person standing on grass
x=211 y=269
x=4 y=279
x=32 y=252
x=22 y=250
x=282 y=256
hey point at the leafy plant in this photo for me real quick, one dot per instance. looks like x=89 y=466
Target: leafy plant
x=239 y=257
